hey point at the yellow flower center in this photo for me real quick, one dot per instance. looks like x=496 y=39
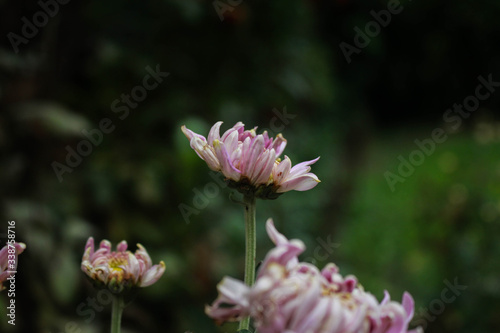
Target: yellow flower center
x=117 y=261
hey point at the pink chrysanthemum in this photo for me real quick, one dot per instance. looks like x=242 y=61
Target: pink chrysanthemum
x=290 y=296
x=8 y=260
x=120 y=269
x=250 y=161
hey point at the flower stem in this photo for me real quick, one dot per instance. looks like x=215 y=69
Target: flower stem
x=250 y=248
x=116 y=314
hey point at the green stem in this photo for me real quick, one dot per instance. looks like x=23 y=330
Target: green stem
x=116 y=314
x=250 y=248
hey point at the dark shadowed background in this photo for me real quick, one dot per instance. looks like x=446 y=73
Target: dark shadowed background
x=398 y=99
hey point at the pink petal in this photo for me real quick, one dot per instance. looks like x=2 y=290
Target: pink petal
x=356 y=320
x=99 y=254
x=301 y=183
x=305 y=318
x=153 y=274
x=249 y=159
x=214 y=133
x=206 y=153
x=238 y=127
x=235 y=157
x=190 y=134
x=317 y=315
x=222 y=314
x=233 y=291
x=350 y=282
x=409 y=306
x=334 y=323
x=281 y=170
x=89 y=247
x=329 y=271
x=143 y=255
x=302 y=168
x=263 y=168
x=233 y=296
x=247 y=134
x=20 y=247
x=245 y=150
x=86 y=263
x=397 y=317
x=274 y=234
x=231 y=142
x=133 y=267
x=267 y=141
x=122 y=246
x=279 y=144
x=106 y=245
x=386 y=299
x=3 y=257
x=225 y=162
x=283 y=255
x=99 y=260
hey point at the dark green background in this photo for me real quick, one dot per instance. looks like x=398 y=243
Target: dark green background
x=442 y=223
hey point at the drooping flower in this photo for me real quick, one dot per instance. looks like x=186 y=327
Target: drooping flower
x=120 y=269
x=8 y=260
x=250 y=161
x=290 y=296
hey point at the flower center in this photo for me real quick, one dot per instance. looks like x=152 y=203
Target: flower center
x=117 y=261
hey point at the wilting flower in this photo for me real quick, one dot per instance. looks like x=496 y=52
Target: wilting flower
x=120 y=269
x=250 y=161
x=8 y=260
x=290 y=296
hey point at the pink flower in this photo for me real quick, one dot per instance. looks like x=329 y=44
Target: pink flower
x=251 y=162
x=8 y=260
x=290 y=296
x=121 y=268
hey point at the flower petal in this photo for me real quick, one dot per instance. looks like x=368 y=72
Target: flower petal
x=310 y=312
x=233 y=296
x=214 y=133
x=279 y=144
x=386 y=299
x=281 y=170
x=122 y=246
x=206 y=153
x=142 y=255
x=225 y=162
x=301 y=183
x=105 y=245
x=133 y=268
x=89 y=248
x=20 y=247
x=190 y=134
x=274 y=234
x=263 y=168
x=409 y=306
x=231 y=142
x=250 y=157
x=302 y=168
x=238 y=127
x=153 y=274
x=3 y=257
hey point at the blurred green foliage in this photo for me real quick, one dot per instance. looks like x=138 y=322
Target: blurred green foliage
x=442 y=223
